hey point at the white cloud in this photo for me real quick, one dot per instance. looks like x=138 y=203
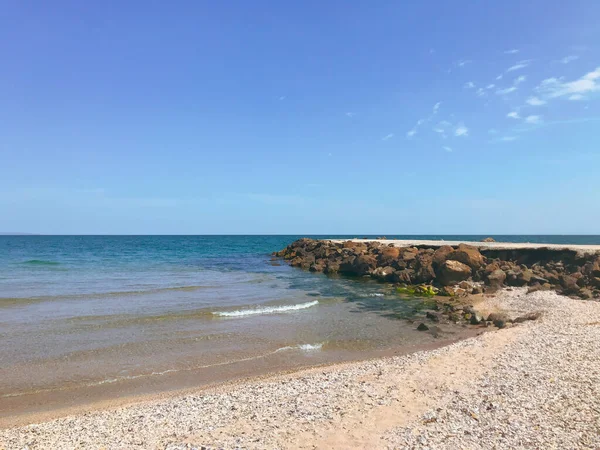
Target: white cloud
x=508 y=138
x=513 y=115
x=519 y=65
x=533 y=119
x=282 y=97
x=463 y=62
x=556 y=87
x=461 y=130
x=480 y=92
x=448 y=149
x=492 y=131
x=535 y=101
x=568 y=59
x=436 y=107
x=490 y=86
x=411 y=133
x=499 y=77
x=512 y=51
x=469 y=85
x=389 y=136
x=520 y=79
x=350 y=114
x=576 y=97
x=506 y=91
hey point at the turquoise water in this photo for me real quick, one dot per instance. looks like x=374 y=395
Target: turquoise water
x=87 y=310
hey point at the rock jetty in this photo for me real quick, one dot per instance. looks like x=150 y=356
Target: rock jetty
x=454 y=270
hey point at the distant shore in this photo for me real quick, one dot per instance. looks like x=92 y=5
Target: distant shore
x=534 y=384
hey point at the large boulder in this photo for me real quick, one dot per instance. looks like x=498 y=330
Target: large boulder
x=424 y=272
x=409 y=253
x=406 y=276
x=388 y=255
x=361 y=265
x=452 y=272
x=441 y=255
x=383 y=273
x=469 y=255
x=496 y=279
x=569 y=284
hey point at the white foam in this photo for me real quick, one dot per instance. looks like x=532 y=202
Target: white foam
x=267 y=310
x=377 y=294
x=303 y=347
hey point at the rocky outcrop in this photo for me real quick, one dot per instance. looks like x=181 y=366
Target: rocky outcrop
x=459 y=270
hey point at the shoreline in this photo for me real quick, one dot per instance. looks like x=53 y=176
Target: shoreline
x=111 y=401
x=534 y=384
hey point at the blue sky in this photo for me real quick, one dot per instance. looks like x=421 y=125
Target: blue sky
x=300 y=117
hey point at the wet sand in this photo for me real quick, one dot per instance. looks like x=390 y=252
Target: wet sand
x=533 y=385
x=45 y=405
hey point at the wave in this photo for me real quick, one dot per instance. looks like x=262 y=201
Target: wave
x=267 y=310
x=303 y=347
x=41 y=262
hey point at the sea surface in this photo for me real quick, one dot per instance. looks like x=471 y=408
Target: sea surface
x=82 y=312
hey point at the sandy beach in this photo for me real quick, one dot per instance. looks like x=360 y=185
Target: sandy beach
x=532 y=385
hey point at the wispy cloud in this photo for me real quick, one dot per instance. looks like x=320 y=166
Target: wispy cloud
x=434 y=111
x=513 y=115
x=490 y=86
x=463 y=62
x=512 y=51
x=506 y=91
x=469 y=85
x=519 y=80
x=387 y=137
x=350 y=114
x=576 y=97
x=461 y=130
x=448 y=149
x=519 y=65
x=568 y=59
x=499 y=77
x=282 y=98
x=535 y=101
x=508 y=138
x=533 y=119
x=557 y=87
x=481 y=92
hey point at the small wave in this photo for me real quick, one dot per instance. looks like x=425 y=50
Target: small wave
x=377 y=294
x=303 y=347
x=41 y=262
x=268 y=310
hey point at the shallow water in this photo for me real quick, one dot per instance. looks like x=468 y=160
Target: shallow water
x=85 y=311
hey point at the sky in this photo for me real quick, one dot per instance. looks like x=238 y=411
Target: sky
x=312 y=117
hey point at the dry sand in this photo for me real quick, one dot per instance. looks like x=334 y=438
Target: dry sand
x=535 y=385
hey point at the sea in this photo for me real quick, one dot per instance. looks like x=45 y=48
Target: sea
x=88 y=318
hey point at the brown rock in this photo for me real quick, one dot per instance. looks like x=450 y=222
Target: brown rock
x=469 y=255
x=488 y=239
x=528 y=316
x=568 y=284
x=405 y=276
x=362 y=265
x=452 y=272
x=388 y=255
x=441 y=255
x=383 y=273
x=498 y=319
x=496 y=279
x=585 y=294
